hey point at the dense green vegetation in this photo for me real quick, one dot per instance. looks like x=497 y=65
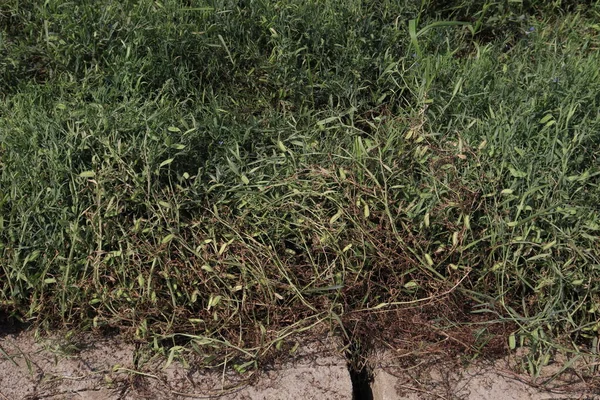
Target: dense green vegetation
x=234 y=172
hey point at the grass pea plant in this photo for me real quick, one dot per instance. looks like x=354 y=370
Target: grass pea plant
x=228 y=174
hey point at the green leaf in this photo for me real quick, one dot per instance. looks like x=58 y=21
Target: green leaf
x=411 y=285
x=428 y=259
x=166 y=162
x=213 y=301
x=516 y=173
x=327 y=121
x=87 y=174
x=172 y=352
x=412 y=31
x=167 y=238
x=539 y=256
x=335 y=217
x=441 y=24
x=224 y=247
x=197 y=9
x=282 y=146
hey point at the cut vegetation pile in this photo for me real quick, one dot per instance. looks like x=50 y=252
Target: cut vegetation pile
x=230 y=173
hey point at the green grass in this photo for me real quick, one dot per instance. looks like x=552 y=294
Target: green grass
x=228 y=174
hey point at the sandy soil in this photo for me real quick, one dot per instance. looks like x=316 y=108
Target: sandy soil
x=104 y=368
x=443 y=378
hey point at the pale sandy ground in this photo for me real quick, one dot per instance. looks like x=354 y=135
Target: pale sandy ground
x=104 y=369
x=101 y=368
x=445 y=379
